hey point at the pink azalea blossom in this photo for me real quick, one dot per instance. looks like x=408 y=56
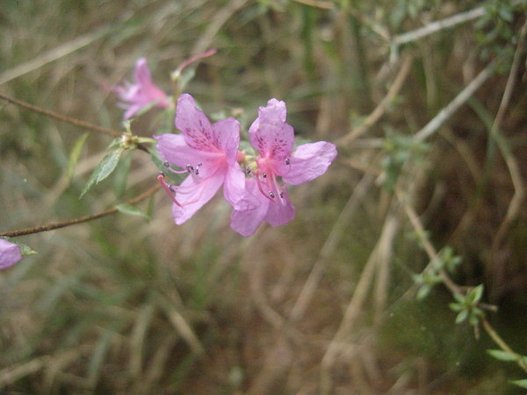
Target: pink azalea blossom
x=264 y=198
x=208 y=153
x=142 y=93
x=9 y=254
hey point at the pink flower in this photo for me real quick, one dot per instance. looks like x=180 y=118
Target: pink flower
x=9 y=254
x=142 y=93
x=264 y=198
x=208 y=153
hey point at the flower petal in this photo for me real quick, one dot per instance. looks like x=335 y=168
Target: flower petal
x=132 y=110
x=227 y=137
x=234 y=184
x=175 y=150
x=142 y=73
x=270 y=134
x=250 y=211
x=9 y=254
x=192 y=195
x=142 y=93
x=280 y=212
x=194 y=125
x=308 y=162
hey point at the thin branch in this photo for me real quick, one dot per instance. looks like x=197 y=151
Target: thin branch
x=60 y=117
x=453 y=287
x=438 y=26
x=80 y=220
x=429 y=248
x=378 y=112
x=445 y=113
x=501 y=343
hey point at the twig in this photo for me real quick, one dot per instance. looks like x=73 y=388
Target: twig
x=438 y=25
x=378 y=112
x=80 y=220
x=500 y=342
x=445 y=113
x=453 y=287
x=60 y=117
x=429 y=248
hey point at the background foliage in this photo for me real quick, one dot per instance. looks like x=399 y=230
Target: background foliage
x=325 y=304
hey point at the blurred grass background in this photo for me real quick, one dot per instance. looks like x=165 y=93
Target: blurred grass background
x=322 y=305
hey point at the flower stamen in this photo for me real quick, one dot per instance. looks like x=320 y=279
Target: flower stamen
x=168 y=188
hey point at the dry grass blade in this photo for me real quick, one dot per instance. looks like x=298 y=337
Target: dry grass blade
x=51 y=363
x=53 y=54
x=181 y=325
x=514 y=169
x=436 y=26
x=157 y=365
x=379 y=111
x=137 y=339
x=384 y=259
x=329 y=247
x=215 y=25
x=357 y=301
x=462 y=97
x=10 y=375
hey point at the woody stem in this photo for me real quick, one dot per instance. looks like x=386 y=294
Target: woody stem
x=79 y=220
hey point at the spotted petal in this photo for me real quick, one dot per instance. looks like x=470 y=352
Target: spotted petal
x=174 y=149
x=280 y=212
x=270 y=134
x=194 y=125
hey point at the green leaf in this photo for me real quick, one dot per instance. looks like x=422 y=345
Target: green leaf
x=475 y=294
x=130 y=210
x=423 y=292
x=520 y=383
x=75 y=154
x=474 y=317
x=108 y=164
x=25 y=250
x=503 y=355
x=103 y=169
x=459 y=298
x=120 y=178
x=462 y=316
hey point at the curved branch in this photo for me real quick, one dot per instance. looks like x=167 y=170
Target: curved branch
x=60 y=117
x=80 y=220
